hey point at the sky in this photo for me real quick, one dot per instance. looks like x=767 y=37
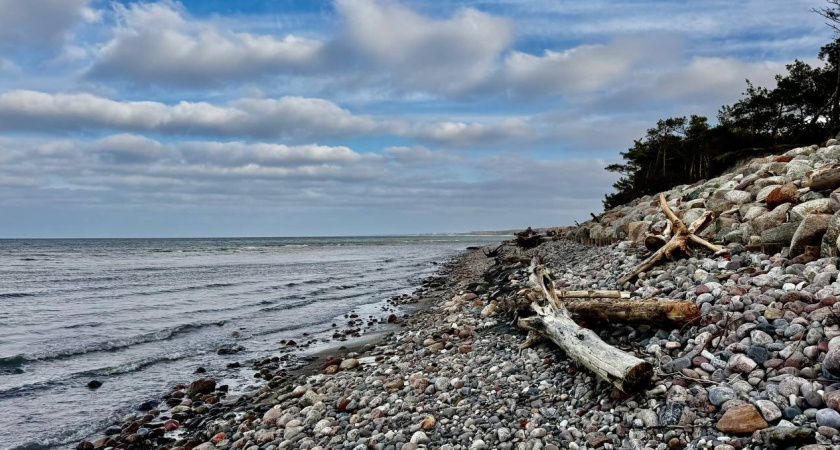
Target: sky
x=354 y=117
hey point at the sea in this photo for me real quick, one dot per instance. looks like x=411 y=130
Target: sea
x=140 y=315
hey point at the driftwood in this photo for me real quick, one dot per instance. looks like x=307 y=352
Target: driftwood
x=528 y=238
x=552 y=321
x=599 y=306
x=592 y=294
x=681 y=237
x=494 y=252
x=661 y=312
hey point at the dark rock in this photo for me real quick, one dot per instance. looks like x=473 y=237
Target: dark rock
x=758 y=354
x=677 y=364
x=671 y=413
x=778 y=438
x=719 y=395
x=781 y=234
x=790 y=412
x=202 y=386
x=148 y=405
x=94 y=384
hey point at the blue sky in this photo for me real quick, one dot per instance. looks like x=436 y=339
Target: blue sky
x=260 y=117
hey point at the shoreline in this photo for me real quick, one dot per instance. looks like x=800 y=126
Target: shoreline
x=301 y=360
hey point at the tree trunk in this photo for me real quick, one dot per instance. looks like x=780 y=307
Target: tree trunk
x=593 y=294
x=661 y=312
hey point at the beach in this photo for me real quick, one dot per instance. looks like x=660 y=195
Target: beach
x=451 y=376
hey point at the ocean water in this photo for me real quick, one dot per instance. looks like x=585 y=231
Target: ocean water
x=142 y=314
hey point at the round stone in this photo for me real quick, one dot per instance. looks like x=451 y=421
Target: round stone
x=828 y=418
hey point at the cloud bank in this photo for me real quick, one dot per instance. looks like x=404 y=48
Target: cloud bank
x=490 y=114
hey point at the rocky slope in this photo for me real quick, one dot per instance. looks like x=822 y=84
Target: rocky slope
x=786 y=203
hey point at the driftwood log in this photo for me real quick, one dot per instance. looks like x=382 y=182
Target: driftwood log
x=661 y=312
x=608 y=306
x=593 y=294
x=528 y=238
x=677 y=238
x=552 y=321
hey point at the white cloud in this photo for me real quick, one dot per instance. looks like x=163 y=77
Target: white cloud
x=264 y=154
x=131 y=148
x=41 y=22
x=463 y=134
x=448 y=55
x=720 y=80
x=416 y=156
x=699 y=86
x=294 y=118
x=156 y=43
x=287 y=117
x=381 y=43
x=579 y=69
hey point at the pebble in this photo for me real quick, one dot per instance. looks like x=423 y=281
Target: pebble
x=828 y=418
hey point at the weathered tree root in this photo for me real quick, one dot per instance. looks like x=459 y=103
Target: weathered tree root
x=626 y=372
x=682 y=237
x=494 y=252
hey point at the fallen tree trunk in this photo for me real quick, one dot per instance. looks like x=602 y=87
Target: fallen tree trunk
x=681 y=239
x=593 y=294
x=626 y=372
x=660 y=312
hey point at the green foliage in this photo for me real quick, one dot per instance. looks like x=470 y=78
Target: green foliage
x=802 y=109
